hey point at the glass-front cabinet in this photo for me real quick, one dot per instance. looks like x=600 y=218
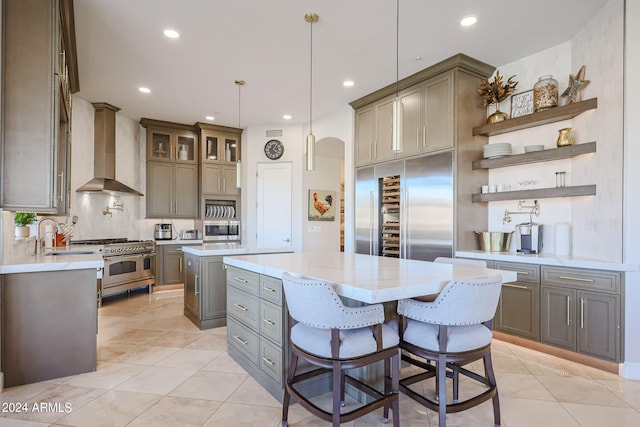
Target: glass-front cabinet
x=167 y=145
x=220 y=144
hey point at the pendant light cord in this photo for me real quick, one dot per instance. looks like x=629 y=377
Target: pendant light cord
x=397 y=44
x=311 y=78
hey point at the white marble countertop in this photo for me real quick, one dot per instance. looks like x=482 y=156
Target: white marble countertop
x=29 y=263
x=549 y=259
x=178 y=242
x=370 y=279
x=223 y=249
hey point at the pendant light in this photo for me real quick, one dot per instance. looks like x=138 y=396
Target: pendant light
x=396 y=124
x=311 y=18
x=240 y=83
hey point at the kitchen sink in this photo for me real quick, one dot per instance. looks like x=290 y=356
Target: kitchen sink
x=70 y=253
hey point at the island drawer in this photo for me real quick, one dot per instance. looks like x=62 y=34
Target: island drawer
x=244 y=340
x=607 y=281
x=243 y=306
x=271 y=321
x=271 y=289
x=526 y=272
x=271 y=361
x=248 y=281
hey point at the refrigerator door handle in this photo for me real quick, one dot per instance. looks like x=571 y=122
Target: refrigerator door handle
x=404 y=239
x=371 y=228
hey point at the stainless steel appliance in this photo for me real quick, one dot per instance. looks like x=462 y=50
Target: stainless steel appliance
x=189 y=234
x=529 y=238
x=221 y=231
x=128 y=264
x=405 y=208
x=163 y=232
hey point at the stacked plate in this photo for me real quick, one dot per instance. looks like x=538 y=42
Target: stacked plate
x=496 y=150
x=530 y=148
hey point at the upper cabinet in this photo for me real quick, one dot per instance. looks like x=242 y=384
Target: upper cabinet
x=39 y=75
x=220 y=153
x=171 y=142
x=428 y=100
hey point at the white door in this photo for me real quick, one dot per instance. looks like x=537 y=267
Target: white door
x=274 y=204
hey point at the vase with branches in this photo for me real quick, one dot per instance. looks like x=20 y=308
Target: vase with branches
x=494 y=92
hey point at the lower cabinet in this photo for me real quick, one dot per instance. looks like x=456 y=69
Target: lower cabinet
x=581 y=311
x=255 y=327
x=518 y=310
x=205 y=291
x=169 y=265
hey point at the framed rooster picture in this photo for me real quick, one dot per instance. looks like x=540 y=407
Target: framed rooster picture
x=322 y=205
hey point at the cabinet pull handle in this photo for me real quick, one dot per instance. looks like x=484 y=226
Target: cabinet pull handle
x=60 y=196
x=510 y=285
x=239 y=279
x=568 y=310
x=268 y=361
x=224 y=185
x=268 y=289
x=240 y=340
x=180 y=259
x=218 y=184
x=524 y=273
x=269 y=322
x=581 y=313
x=578 y=279
x=197 y=287
x=240 y=307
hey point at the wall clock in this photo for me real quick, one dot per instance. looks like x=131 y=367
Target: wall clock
x=274 y=149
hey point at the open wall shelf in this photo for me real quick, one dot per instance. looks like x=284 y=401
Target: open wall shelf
x=538 y=193
x=536 y=156
x=552 y=115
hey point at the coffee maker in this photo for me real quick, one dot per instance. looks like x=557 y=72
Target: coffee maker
x=529 y=238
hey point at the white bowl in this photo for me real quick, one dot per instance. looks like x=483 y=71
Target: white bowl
x=530 y=148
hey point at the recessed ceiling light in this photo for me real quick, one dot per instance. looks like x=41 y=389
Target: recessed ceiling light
x=209 y=118
x=287 y=117
x=468 y=21
x=347 y=83
x=144 y=89
x=172 y=34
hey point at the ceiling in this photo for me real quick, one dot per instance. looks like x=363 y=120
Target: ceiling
x=267 y=44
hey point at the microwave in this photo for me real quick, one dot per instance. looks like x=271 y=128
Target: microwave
x=221 y=231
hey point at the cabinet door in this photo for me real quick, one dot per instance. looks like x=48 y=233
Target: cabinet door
x=172 y=267
x=599 y=325
x=519 y=310
x=214 y=289
x=384 y=128
x=63 y=159
x=159 y=189
x=438 y=113
x=231 y=149
x=159 y=145
x=558 y=317
x=186 y=191
x=192 y=284
x=411 y=122
x=186 y=147
x=211 y=179
x=365 y=132
x=229 y=182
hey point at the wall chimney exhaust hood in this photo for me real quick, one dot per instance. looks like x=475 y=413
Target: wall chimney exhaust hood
x=104 y=155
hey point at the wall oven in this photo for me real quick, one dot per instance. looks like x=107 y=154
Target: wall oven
x=222 y=231
x=127 y=268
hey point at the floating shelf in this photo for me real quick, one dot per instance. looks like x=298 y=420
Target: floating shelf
x=538 y=193
x=536 y=119
x=536 y=156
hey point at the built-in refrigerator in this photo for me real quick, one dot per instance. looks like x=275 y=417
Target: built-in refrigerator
x=404 y=208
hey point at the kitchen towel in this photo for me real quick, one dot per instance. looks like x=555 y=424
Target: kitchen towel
x=562 y=242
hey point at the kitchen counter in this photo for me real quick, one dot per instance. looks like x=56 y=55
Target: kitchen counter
x=370 y=279
x=29 y=263
x=226 y=249
x=178 y=242
x=549 y=259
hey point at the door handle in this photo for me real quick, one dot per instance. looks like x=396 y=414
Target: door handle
x=581 y=313
x=568 y=311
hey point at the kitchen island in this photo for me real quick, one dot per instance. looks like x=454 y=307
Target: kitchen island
x=48 y=312
x=205 y=289
x=257 y=328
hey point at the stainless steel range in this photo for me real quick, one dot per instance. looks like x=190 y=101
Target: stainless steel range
x=128 y=264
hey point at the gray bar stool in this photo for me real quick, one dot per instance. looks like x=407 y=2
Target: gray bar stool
x=335 y=338
x=451 y=331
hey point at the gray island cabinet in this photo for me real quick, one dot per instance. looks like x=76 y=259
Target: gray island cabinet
x=205 y=287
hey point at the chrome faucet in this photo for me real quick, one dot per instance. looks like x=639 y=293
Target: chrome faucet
x=39 y=236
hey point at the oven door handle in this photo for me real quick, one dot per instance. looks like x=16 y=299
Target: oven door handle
x=133 y=257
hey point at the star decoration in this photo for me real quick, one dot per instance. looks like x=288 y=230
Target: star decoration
x=576 y=84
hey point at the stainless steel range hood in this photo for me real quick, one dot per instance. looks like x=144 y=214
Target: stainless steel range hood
x=104 y=156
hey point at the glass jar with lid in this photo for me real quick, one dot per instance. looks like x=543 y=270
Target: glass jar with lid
x=545 y=93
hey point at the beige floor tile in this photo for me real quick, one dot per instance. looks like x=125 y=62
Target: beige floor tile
x=521 y=386
x=210 y=342
x=189 y=358
x=209 y=385
x=627 y=390
x=113 y=408
x=25 y=393
x=156 y=380
x=8 y=422
x=176 y=411
x=580 y=390
x=236 y=415
x=136 y=336
x=250 y=392
x=145 y=355
x=598 y=416
x=224 y=363
x=175 y=339
x=107 y=376
x=534 y=413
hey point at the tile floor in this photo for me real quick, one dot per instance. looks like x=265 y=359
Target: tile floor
x=155 y=368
